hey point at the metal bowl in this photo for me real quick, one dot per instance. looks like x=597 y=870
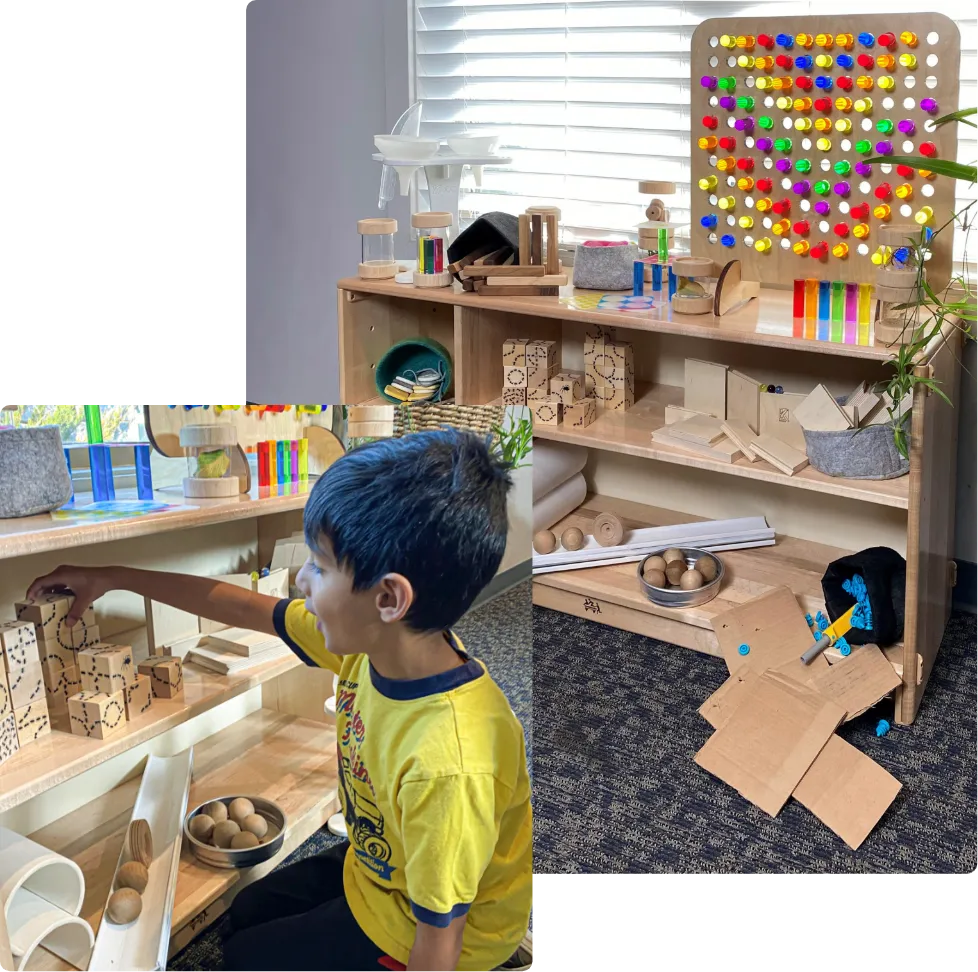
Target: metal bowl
x=248 y=856
x=676 y=597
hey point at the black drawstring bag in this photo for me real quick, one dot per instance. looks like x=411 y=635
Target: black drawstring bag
x=488 y=233
x=876 y=581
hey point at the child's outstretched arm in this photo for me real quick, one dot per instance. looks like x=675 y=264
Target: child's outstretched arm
x=437 y=948
x=202 y=596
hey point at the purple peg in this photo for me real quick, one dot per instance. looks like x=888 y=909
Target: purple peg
x=744 y=124
x=801 y=188
x=907 y=126
x=884 y=148
x=765 y=144
x=783 y=165
x=841 y=188
x=728 y=102
x=929 y=105
x=708 y=82
x=822 y=207
x=863 y=169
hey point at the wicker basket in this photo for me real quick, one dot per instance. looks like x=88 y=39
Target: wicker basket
x=425 y=417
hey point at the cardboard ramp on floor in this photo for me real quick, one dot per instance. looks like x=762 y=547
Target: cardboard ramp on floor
x=858 y=682
x=770 y=740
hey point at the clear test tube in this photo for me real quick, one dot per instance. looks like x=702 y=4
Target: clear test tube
x=824 y=309
x=798 y=306
x=851 y=314
x=864 y=318
x=838 y=310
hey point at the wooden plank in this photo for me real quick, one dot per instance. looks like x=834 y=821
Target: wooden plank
x=779 y=454
x=740 y=434
x=778 y=418
x=516 y=291
x=743 y=400
x=702 y=429
x=548 y=280
x=553 y=248
x=524 y=257
x=536 y=238
x=722 y=451
x=510 y=270
x=676 y=413
x=706 y=388
x=820 y=412
x=494 y=257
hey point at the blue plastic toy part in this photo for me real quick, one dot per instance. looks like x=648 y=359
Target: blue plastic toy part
x=785 y=40
x=657 y=277
x=804 y=62
x=862 y=617
x=824 y=82
x=901 y=254
x=709 y=221
x=844 y=648
x=727 y=239
x=845 y=61
x=821 y=621
x=882 y=727
x=144 y=472
x=808 y=619
x=867 y=39
x=743 y=650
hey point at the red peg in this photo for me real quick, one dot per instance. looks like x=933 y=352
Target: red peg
x=801 y=227
x=783 y=207
x=845 y=83
x=785 y=61
x=860 y=211
x=805 y=82
x=745 y=164
x=710 y=121
x=865 y=61
x=823 y=104
x=905 y=171
x=928 y=149
x=766 y=41
x=727 y=142
x=819 y=251
x=765 y=185
x=883 y=191
x=841 y=229
x=887 y=40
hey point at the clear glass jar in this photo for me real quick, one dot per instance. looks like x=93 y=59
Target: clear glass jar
x=209 y=450
x=432 y=236
x=377 y=247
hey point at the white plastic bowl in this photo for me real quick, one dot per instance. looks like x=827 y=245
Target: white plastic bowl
x=406 y=146
x=473 y=144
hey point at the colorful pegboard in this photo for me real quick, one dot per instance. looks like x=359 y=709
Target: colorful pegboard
x=784 y=112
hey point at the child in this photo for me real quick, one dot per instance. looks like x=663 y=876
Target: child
x=403 y=535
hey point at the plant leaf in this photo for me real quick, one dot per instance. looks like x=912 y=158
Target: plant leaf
x=961 y=115
x=956 y=170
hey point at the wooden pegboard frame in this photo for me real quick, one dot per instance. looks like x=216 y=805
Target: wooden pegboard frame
x=779 y=267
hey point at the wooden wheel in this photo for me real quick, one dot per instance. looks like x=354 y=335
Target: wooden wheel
x=608 y=530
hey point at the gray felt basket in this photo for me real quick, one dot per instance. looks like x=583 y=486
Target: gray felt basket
x=34 y=476
x=867 y=453
x=605 y=267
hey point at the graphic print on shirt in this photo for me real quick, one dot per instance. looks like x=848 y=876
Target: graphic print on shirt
x=364 y=821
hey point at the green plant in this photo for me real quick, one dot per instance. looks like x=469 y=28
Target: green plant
x=514 y=442
x=928 y=315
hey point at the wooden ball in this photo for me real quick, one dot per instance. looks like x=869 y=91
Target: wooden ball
x=544 y=542
x=124 y=906
x=608 y=529
x=243 y=841
x=656 y=563
x=240 y=808
x=673 y=553
x=224 y=833
x=656 y=578
x=216 y=810
x=139 y=840
x=132 y=875
x=675 y=571
x=691 y=580
x=572 y=539
x=707 y=567
x=202 y=827
x=255 y=824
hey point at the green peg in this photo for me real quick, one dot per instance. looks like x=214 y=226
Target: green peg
x=746 y=102
x=803 y=165
x=728 y=84
x=765 y=121
x=782 y=144
x=884 y=126
x=822 y=187
x=864 y=146
x=842 y=167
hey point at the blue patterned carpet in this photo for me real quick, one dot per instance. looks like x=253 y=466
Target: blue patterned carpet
x=498 y=633
x=617 y=789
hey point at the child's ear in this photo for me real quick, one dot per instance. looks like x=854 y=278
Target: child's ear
x=395 y=597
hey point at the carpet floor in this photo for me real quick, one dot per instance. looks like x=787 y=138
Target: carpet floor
x=498 y=633
x=617 y=789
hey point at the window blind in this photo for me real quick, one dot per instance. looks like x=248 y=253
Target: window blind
x=589 y=96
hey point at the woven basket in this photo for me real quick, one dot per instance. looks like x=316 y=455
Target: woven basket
x=425 y=417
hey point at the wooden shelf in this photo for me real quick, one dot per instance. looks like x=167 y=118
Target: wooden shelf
x=611 y=595
x=283 y=758
x=62 y=756
x=630 y=432
x=37 y=534
x=766 y=321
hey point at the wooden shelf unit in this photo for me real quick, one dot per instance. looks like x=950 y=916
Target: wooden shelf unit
x=914 y=514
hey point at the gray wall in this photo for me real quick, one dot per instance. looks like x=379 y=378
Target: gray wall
x=323 y=77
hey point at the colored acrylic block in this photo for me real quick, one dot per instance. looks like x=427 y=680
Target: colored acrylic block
x=581 y=413
x=18 y=644
x=514 y=396
x=106 y=668
x=166 y=676
x=567 y=386
x=33 y=722
x=26 y=685
x=547 y=411
x=9 y=743
x=514 y=376
x=138 y=696
x=514 y=352
x=96 y=714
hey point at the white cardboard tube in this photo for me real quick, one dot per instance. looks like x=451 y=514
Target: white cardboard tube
x=554 y=463
x=566 y=498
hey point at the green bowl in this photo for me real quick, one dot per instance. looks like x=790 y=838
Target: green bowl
x=414 y=355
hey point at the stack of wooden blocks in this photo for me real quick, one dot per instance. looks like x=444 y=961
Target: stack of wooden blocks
x=530 y=272
x=609 y=369
x=23 y=709
x=528 y=367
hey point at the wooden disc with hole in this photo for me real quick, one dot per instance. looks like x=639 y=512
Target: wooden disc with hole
x=139 y=842
x=608 y=530
x=653 y=187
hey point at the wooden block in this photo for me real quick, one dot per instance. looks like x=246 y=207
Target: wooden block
x=781 y=455
x=514 y=377
x=819 y=412
x=741 y=436
x=537 y=393
x=18 y=644
x=468 y=285
x=521 y=291
x=45 y=613
x=722 y=451
x=676 y=413
x=5 y=706
x=470 y=258
x=616 y=399
x=581 y=413
x=732 y=291
x=138 y=696
x=9 y=743
x=514 y=396
x=108 y=668
x=504 y=271
x=97 y=714
x=703 y=429
x=493 y=257
x=553 y=247
x=858 y=682
x=32 y=722
x=550 y=280
x=166 y=678
x=26 y=685
x=547 y=412
x=778 y=418
x=770 y=740
x=524 y=229
x=568 y=387
x=82 y=635
x=55 y=655
x=743 y=400
x=514 y=352
x=541 y=363
x=705 y=388
x=536 y=239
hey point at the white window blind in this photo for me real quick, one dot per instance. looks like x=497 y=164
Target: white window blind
x=590 y=96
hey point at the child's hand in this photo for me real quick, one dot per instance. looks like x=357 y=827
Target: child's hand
x=86 y=583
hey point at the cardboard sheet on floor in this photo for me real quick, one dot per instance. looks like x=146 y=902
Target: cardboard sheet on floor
x=770 y=740
x=721 y=704
x=773 y=626
x=858 y=682
x=847 y=791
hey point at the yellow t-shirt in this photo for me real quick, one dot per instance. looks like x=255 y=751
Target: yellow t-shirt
x=436 y=796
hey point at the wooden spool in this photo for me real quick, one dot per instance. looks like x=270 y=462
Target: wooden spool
x=442 y=279
x=139 y=842
x=693 y=267
x=608 y=529
x=433 y=220
x=652 y=187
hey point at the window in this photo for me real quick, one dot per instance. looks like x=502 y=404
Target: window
x=589 y=97
x=120 y=423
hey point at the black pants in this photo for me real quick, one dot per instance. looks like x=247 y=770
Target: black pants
x=297 y=918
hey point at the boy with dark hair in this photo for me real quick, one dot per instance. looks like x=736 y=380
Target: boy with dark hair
x=435 y=792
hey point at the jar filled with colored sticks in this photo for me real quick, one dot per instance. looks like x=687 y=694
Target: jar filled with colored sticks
x=434 y=234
